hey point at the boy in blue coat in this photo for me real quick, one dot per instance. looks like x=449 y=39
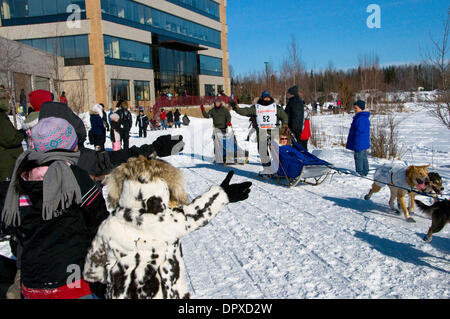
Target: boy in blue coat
x=359 y=137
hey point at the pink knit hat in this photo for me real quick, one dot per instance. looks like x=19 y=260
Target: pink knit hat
x=53 y=133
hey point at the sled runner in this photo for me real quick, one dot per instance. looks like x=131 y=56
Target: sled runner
x=294 y=164
x=227 y=150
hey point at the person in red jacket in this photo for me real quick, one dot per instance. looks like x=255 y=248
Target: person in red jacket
x=163 y=118
x=63 y=98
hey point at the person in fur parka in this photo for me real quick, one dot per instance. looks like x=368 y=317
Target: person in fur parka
x=137 y=250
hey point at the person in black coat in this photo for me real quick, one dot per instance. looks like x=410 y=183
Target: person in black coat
x=170 y=118
x=176 y=117
x=142 y=121
x=126 y=120
x=296 y=113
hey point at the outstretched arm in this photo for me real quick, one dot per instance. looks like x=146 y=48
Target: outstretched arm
x=205 y=207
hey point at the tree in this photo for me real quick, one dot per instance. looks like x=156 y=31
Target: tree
x=437 y=57
x=11 y=58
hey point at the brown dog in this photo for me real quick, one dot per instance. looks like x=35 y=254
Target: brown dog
x=400 y=179
x=440 y=216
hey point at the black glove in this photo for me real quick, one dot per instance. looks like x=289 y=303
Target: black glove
x=167 y=145
x=235 y=192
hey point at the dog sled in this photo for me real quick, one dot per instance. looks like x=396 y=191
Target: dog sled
x=227 y=150
x=294 y=164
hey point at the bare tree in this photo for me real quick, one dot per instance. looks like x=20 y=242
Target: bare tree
x=437 y=57
x=78 y=95
x=55 y=69
x=295 y=60
x=11 y=58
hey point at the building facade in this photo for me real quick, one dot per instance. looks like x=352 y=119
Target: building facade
x=133 y=50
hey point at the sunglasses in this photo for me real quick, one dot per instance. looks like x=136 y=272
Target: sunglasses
x=283 y=139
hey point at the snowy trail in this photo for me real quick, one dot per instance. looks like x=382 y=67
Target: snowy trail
x=311 y=242
x=323 y=246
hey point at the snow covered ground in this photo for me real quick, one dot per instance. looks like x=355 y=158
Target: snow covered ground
x=312 y=241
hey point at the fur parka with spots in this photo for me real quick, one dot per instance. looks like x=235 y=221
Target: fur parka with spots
x=137 y=251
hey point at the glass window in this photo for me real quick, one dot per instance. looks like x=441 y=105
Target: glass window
x=210 y=65
x=35 y=8
x=49 y=7
x=139 y=13
x=122 y=49
x=41 y=83
x=120 y=89
x=142 y=90
x=68 y=47
x=210 y=90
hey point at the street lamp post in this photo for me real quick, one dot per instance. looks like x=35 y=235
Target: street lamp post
x=267 y=73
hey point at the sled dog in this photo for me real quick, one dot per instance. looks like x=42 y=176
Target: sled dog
x=400 y=178
x=440 y=216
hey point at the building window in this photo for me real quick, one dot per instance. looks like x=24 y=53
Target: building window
x=12 y=9
x=120 y=89
x=142 y=90
x=208 y=8
x=138 y=54
x=210 y=65
x=41 y=83
x=74 y=49
x=210 y=90
x=220 y=89
x=140 y=16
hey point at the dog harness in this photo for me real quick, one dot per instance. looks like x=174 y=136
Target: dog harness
x=392 y=174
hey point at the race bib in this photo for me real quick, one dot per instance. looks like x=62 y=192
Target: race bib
x=266 y=116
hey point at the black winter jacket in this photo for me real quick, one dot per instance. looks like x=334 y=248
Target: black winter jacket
x=296 y=113
x=125 y=119
x=49 y=247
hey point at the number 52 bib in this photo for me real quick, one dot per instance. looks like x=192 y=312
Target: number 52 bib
x=266 y=116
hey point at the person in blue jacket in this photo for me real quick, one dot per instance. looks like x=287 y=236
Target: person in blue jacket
x=359 y=137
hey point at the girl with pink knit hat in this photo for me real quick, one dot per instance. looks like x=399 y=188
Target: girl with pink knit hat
x=55 y=208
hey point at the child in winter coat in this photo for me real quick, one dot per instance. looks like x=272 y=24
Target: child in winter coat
x=97 y=134
x=359 y=138
x=55 y=209
x=142 y=121
x=137 y=250
x=116 y=131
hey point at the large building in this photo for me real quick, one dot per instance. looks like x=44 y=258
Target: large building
x=134 y=50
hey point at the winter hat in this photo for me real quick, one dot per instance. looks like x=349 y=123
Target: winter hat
x=265 y=94
x=31 y=120
x=39 y=97
x=53 y=133
x=293 y=90
x=361 y=104
x=97 y=108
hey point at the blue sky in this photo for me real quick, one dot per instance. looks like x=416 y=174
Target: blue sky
x=329 y=30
